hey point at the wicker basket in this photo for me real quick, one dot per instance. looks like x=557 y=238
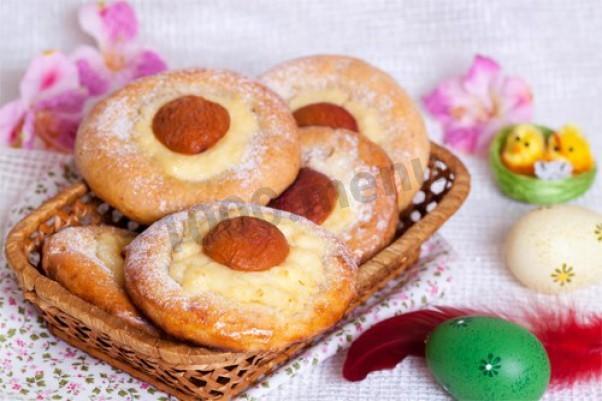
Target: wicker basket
x=185 y=371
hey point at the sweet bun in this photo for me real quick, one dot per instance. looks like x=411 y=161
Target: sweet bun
x=88 y=261
x=346 y=185
x=167 y=142
x=345 y=92
x=240 y=277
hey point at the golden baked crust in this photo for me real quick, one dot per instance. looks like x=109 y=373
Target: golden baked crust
x=365 y=214
x=195 y=298
x=128 y=167
x=87 y=261
x=382 y=109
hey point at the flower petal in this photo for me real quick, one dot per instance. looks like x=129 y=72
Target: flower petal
x=110 y=24
x=11 y=116
x=517 y=100
x=70 y=102
x=93 y=73
x=27 y=137
x=452 y=105
x=56 y=131
x=119 y=21
x=91 y=22
x=48 y=74
x=437 y=103
x=483 y=67
x=147 y=62
x=514 y=104
x=479 y=81
x=465 y=139
x=473 y=107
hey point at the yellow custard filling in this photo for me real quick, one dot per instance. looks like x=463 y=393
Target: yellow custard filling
x=108 y=251
x=284 y=288
x=341 y=217
x=367 y=118
x=225 y=154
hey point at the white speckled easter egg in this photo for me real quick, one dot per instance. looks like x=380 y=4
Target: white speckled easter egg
x=556 y=249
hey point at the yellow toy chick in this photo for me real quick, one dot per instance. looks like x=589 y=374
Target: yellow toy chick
x=524 y=146
x=568 y=144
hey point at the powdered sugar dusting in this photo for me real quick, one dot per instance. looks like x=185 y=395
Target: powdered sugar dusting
x=147 y=261
x=351 y=75
x=107 y=136
x=150 y=255
x=75 y=240
x=336 y=154
x=398 y=129
x=84 y=241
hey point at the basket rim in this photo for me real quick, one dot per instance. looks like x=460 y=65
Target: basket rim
x=41 y=290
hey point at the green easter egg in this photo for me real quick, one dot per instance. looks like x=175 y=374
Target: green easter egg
x=486 y=358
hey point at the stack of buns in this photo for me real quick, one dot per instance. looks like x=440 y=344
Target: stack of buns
x=261 y=198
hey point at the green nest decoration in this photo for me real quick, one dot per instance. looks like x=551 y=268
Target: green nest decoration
x=530 y=189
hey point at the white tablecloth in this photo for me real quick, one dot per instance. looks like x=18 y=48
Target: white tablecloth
x=555 y=45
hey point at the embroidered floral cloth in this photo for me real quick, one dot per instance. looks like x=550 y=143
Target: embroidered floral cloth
x=37 y=366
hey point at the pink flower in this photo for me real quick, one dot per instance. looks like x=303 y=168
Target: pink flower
x=473 y=107
x=56 y=89
x=73 y=388
x=433 y=288
x=119 y=58
x=70 y=353
x=403 y=296
x=50 y=106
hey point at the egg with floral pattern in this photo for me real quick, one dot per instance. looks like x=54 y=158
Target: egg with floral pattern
x=487 y=358
x=556 y=249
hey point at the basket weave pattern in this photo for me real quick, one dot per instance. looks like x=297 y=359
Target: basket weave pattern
x=183 y=370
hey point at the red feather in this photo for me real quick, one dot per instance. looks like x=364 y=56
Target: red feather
x=387 y=343
x=574 y=345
